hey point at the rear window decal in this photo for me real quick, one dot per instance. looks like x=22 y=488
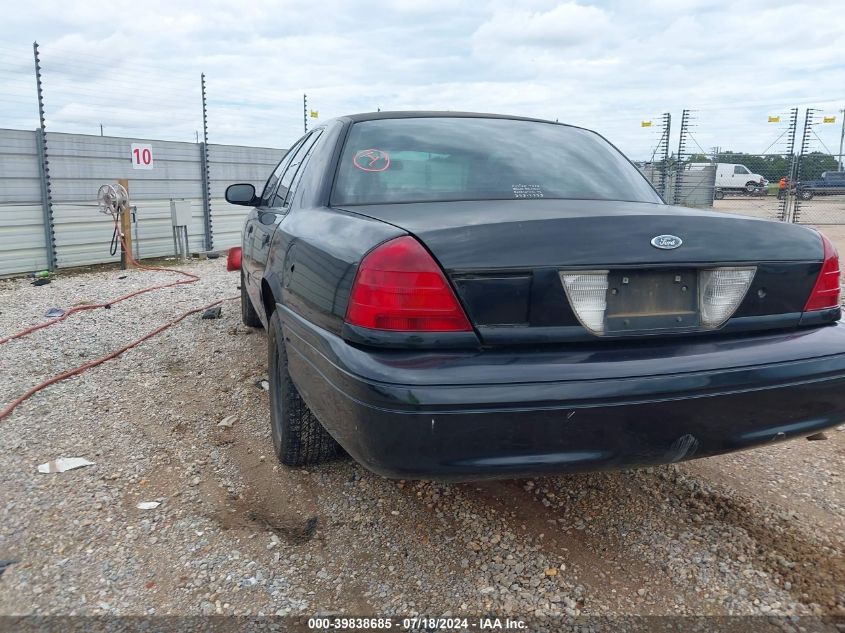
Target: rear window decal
x=527 y=191
x=371 y=160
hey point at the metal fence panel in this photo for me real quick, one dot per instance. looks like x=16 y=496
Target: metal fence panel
x=229 y=164
x=22 y=237
x=79 y=164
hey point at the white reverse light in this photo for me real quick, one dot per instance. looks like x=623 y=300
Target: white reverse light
x=720 y=291
x=587 y=294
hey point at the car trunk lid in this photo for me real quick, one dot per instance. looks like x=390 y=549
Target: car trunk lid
x=507 y=259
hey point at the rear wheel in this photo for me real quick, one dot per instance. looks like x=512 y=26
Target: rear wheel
x=805 y=194
x=298 y=437
x=719 y=194
x=248 y=313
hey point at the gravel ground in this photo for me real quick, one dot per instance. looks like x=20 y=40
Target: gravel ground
x=759 y=532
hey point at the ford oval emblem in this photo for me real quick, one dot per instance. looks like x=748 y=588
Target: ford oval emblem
x=666 y=242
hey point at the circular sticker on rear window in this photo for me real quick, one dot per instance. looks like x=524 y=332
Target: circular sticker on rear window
x=371 y=160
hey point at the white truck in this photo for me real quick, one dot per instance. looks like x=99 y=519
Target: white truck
x=733 y=177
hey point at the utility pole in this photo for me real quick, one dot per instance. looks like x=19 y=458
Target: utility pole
x=101 y=129
x=841 y=138
x=305 y=111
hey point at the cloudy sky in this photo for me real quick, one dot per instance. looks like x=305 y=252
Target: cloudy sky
x=134 y=66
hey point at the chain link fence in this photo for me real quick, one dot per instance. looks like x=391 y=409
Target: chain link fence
x=819 y=190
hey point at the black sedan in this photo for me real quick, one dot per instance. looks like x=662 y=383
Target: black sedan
x=463 y=296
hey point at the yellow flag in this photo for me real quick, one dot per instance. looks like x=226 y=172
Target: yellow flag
x=646 y=124
x=315 y=114
x=774 y=119
x=829 y=119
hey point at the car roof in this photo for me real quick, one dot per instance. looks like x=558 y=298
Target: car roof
x=417 y=114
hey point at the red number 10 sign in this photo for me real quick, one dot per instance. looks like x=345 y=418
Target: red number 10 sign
x=142 y=156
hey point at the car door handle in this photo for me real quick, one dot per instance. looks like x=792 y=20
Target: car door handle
x=249 y=230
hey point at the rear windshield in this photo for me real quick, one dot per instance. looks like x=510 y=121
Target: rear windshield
x=443 y=158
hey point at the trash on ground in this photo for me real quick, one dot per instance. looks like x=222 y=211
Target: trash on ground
x=40 y=282
x=148 y=505
x=817 y=436
x=52 y=313
x=212 y=313
x=63 y=464
x=228 y=421
x=262 y=384
x=4 y=564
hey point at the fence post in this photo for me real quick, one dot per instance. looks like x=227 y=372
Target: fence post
x=679 y=167
x=663 y=149
x=44 y=168
x=808 y=127
x=206 y=176
x=787 y=200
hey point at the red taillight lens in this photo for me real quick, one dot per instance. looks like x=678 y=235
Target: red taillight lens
x=826 y=291
x=400 y=287
x=233 y=259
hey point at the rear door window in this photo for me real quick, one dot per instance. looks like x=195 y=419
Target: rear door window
x=302 y=152
x=275 y=177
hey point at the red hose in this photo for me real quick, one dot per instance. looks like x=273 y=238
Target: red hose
x=191 y=279
x=99 y=361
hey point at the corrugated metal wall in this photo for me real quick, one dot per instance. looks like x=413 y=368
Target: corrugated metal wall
x=79 y=164
x=228 y=164
x=22 y=235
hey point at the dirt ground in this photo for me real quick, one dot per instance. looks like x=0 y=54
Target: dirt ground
x=753 y=533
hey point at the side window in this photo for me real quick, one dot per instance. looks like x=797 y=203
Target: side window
x=298 y=165
x=291 y=169
x=739 y=169
x=273 y=180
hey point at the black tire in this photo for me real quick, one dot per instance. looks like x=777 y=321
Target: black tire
x=248 y=314
x=719 y=194
x=298 y=437
x=751 y=186
x=805 y=194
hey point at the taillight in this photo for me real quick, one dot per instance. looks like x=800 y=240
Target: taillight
x=233 y=259
x=826 y=291
x=400 y=287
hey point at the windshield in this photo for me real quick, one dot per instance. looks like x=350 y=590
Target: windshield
x=442 y=158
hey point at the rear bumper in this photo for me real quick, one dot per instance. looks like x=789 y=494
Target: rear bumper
x=463 y=415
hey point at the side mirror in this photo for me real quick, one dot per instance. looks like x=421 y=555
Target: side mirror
x=243 y=194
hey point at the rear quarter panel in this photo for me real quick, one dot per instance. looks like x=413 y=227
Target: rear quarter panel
x=315 y=255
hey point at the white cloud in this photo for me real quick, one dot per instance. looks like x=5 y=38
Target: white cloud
x=606 y=65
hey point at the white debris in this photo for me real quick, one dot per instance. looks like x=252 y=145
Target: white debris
x=62 y=464
x=228 y=421
x=148 y=505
